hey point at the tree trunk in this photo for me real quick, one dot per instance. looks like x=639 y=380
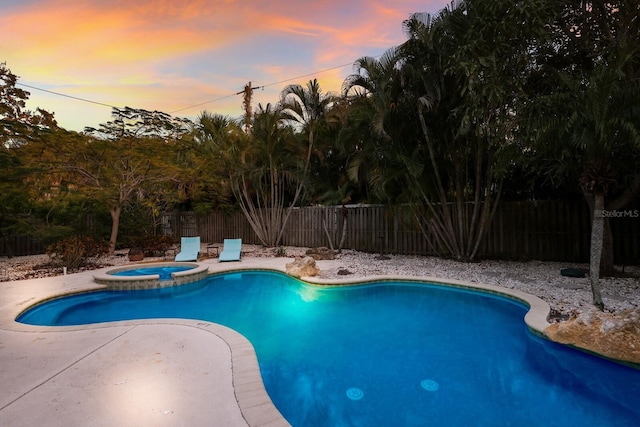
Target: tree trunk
x=597 y=236
x=298 y=189
x=326 y=231
x=115 y=225
x=344 y=232
x=607 y=260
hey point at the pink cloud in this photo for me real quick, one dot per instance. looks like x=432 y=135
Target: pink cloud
x=168 y=54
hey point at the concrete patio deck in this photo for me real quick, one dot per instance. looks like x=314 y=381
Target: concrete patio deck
x=133 y=373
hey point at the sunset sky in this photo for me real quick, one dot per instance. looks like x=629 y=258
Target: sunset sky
x=183 y=57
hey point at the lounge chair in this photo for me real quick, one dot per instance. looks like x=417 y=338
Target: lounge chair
x=232 y=250
x=189 y=249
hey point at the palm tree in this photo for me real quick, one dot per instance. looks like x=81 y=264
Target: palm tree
x=265 y=174
x=213 y=130
x=306 y=108
x=377 y=80
x=443 y=107
x=203 y=185
x=380 y=129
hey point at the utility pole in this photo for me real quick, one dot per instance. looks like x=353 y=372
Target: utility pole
x=247 y=93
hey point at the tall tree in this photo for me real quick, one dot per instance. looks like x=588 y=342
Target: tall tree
x=445 y=107
x=125 y=159
x=345 y=135
x=19 y=128
x=382 y=127
x=306 y=108
x=203 y=183
x=265 y=172
x=17 y=124
x=15 y=200
x=586 y=119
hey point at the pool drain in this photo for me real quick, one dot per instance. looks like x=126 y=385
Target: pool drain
x=355 y=393
x=430 y=385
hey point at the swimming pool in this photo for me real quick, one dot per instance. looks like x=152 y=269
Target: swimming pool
x=392 y=353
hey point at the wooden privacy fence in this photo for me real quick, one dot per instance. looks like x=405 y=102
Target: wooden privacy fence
x=545 y=230
x=20 y=246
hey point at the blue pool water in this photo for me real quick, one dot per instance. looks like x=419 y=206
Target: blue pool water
x=389 y=354
x=163 y=272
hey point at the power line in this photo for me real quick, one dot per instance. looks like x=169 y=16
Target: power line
x=267 y=85
x=207 y=102
x=195 y=105
x=309 y=74
x=65 y=95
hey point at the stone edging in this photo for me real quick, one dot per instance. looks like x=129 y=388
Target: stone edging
x=129 y=283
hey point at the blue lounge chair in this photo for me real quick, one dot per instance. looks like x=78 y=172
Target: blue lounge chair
x=232 y=250
x=189 y=249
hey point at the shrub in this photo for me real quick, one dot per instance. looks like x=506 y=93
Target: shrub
x=152 y=244
x=73 y=252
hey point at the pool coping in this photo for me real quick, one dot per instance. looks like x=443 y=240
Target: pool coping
x=248 y=388
x=150 y=281
x=536 y=318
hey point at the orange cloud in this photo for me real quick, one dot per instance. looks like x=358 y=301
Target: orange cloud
x=66 y=37
x=168 y=55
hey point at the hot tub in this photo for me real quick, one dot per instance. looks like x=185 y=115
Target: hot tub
x=146 y=276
